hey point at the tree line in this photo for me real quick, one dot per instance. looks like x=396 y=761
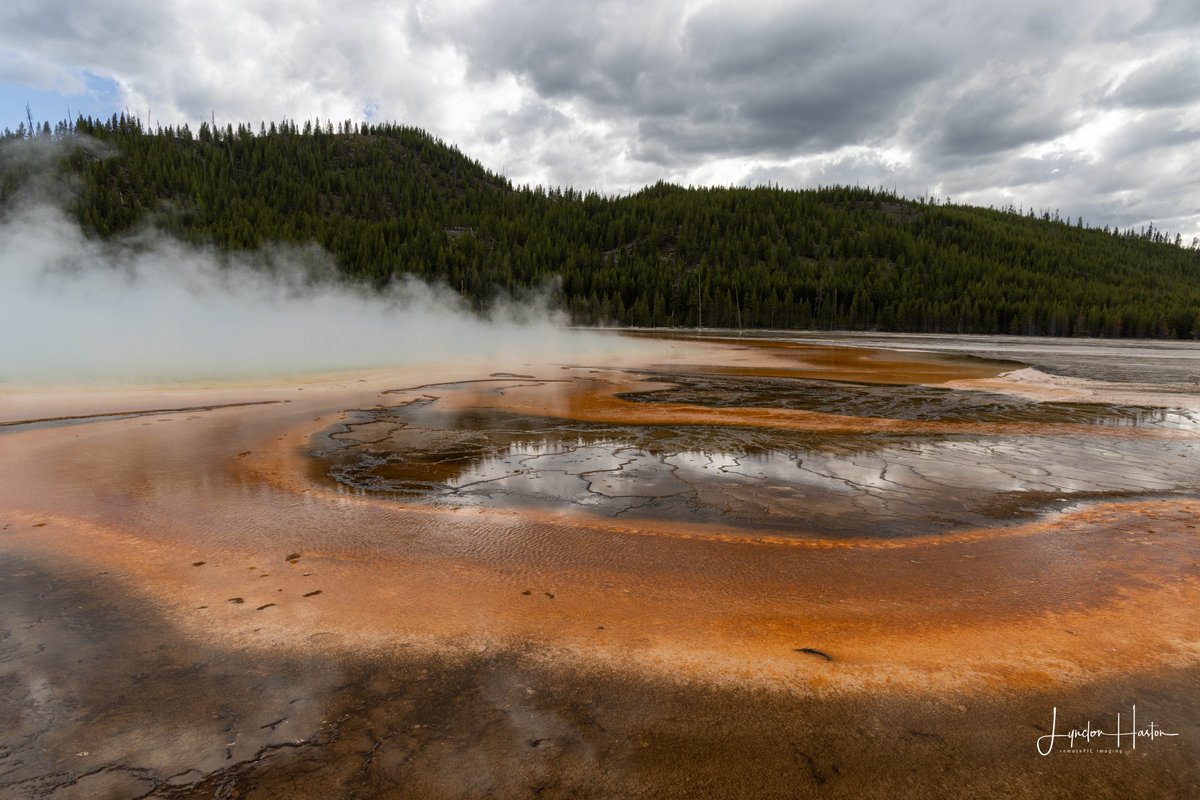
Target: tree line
x=387 y=199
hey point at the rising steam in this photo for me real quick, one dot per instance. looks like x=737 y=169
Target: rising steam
x=148 y=307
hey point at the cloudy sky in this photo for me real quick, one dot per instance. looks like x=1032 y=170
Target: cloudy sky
x=1091 y=107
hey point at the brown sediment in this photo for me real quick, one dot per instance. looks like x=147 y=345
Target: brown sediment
x=597 y=401
x=610 y=644
x=784 y=358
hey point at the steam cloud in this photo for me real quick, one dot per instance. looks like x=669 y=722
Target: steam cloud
x=148 y=307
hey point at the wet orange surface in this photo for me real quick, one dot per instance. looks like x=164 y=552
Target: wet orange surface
x=211 y=516
x=149 y=496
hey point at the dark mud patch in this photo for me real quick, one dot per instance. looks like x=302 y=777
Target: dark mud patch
x=99 y=696
x=917 y=403
x=812 y=651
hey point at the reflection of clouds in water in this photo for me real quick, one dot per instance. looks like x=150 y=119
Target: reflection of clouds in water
x=886 y=481
x=922 y=477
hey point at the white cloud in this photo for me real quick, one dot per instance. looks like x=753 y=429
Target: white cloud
x=1021 y=100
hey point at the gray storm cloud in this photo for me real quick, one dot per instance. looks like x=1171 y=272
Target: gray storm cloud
x=149 y=307
x=955 y=98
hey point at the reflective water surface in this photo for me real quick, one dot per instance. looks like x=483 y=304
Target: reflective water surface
x=995 y=457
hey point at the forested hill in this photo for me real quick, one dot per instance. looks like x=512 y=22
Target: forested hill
x=387 y=200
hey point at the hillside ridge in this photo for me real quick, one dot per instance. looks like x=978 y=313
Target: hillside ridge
x=387 y=200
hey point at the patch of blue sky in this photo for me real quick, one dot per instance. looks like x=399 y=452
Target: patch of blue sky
x=100 y=99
